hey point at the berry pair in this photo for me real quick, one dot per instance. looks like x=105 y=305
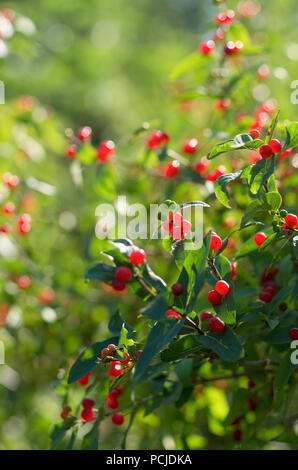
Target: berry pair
x=122 y=276
x=267 y=150
x=65 y=412
x=157 y=139
x=215 y=324
x=113 y=403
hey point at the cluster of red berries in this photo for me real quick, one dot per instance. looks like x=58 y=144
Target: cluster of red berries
x=87 y=413
x=122 y=276
x=215 y=324
x=176 y=226
x=233 y=47
x=273 y=147
x=227 y=17
x=115 y=369
x=23 y=221
x=105 y=150
x=291 y=221
x=113 y=404
x=269 y=287
x=215 y=296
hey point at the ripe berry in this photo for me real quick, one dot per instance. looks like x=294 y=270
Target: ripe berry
x=84 y=381
x=191 y=146
x=88 y=403
x=233 y=267
x=263 y=72
x=157 y=139
x=205 y=316
x=270 y=287
x=113 y=395
x=201 y=166
x=232 y=47
x=8 y=209
x=216 y=325
x=126 y=360
x=104 y=353
x=113 y=404
x=268 y=276
x=237 y=435
x=105 y=150
x=11 y=181
x=118 y=419
x=87 y=414
x=24 y=224
x=259 y=238
x=123 y=274
x=222 y=104
x=265 y=297
x=177 y=289
x=137 y=256
x=118 y=285
x=71 y=151
x=214 y=297
x=218 y=35
x=172 y=313
x=24 y=282
x=252 y=404
x=226 y=17
x=84 y=133
x=293 y=334
x=275 y=145
x=172 y=169
x=291 y=220
x=137 y=354
x=215 y=242
x=222 y=287
x=115 y=369
x=251 y=383
x=64 y=414
x=5 y=228
x=265 y=151
x=46 y=296
x=207 y=47
x=255 y=133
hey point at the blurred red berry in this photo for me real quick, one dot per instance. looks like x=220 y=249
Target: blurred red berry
x=123 y=274
x=191 y=146
x=172 y=169
x=293 y=334
x=216 y=325
x=87 y=414
x=255 y=133
x=157 y=139
x=214 y=297
x=259 y=238
x=105 y=150
x=177 y=289
x=205 y=316
x=71 y=151
x=275 y=145
x=207 y=47
x=137 y=256
x=172 y=313
x=265 y=151
x=84 y=133
x=118 y=419
x=265 y=297
x=291 y=220
x=88 y=403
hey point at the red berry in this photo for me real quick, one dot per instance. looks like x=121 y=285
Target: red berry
x=8 y=208
x=236 y=421
x=84 y=381
x=226 y=17
x=137 y=256
x=216 y=325
x=232 y=47
x=24 y=224
x=293 y=334
x=71 y=151
x=222 y=287
x=24 y=282
x=259 y=238
x=115 y=369
x=88 y=403
x=137 y=354
x=237 y=435
x=123 y=274
x=64 y=414
x=5 y=228
x=263 y=72
x=11 y=181
x=252 y=404
x=233 y=267
x=172 y=313
x=105 y=150
x=291 y=220
x=177 y=289
x=255 y=133
x=270 y=288
x=113 y=404
x=251 y=384
x=222 y=104
x=218 y=35
x=118 y=285
x=205 y=316
x=268 y=276
x=126 y=360
x=201 y=166
x=215 y=242
x=87 y=414
x=206 y=47
x=191 y=146
x=286 y=153
x=275 y=145
x=46 y=296
x=84 y=133
x=265 y=151
x=172 y=169
x=157 y=139
x=265 y=297
x=214 y=297
x=118 y=419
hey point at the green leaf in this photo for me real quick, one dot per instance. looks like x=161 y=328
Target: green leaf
x=116 y=322
x=282 y=376
x=241 y=141
x=57 y=434
x=180 y=348
x=86 y=154
x=255 y=211
x=191 y=63
x=87 y=359
x=152 y=279
x=124 y=341
x=279 y=335
x=272 y=127
x=160 y=335
x=273 y=199
x=292 y=135
x=100 y=271
x=220 y=186
x=155 y=309
x=226 y=344
x=260 y=173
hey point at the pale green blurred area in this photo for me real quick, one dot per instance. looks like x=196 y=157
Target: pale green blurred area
x=106 y=63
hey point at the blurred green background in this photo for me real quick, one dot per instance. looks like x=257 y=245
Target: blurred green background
x=105 y=64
